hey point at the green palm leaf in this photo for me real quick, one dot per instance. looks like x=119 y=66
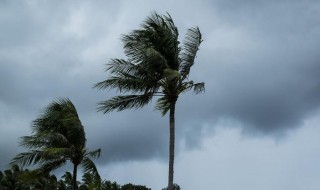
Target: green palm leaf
x=190 y=49
x=120 y=103
x=89 y=166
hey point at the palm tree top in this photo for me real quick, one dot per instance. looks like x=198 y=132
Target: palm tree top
x=57 y=137
x=156 y=65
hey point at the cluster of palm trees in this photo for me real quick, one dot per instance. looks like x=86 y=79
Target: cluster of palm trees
x=157 y=66
x=18 y=179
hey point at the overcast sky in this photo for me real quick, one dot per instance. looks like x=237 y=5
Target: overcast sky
x=256 y=126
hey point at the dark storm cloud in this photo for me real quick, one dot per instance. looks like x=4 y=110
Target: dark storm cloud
x=259 y=61
x=42 y=50
x=262 y=73
x=127 y=136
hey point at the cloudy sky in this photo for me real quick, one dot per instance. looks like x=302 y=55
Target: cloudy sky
x=256 y=126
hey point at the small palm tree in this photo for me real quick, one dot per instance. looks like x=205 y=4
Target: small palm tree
x=58 y=137
x=157 y=66
x=90 y=182
x=108 y=185
x=65 y=183
x=11 y=179
x=34 y=180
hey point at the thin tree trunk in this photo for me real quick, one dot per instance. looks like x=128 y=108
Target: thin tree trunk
x=74 y=177
x=171 y=144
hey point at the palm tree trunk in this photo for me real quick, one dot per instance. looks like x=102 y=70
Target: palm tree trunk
x=74 y=177
x=171 y=144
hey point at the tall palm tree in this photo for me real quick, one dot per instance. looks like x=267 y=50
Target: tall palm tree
x=157 y=66
x=58 y=137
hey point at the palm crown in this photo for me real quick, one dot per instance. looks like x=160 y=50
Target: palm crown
x=58 y=137
x=156 y=66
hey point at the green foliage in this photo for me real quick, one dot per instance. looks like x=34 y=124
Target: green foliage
x=18 y=179
x=130 y=186
x=11 y=179
x=57 y=137
x=108 y=185
x=65 y=183
x=157 y=65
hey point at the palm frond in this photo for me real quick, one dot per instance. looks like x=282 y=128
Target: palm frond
x=163 y=105
x=95 y=153
x=28 y=158
x=58 y=152
x=89 y=166
x=199 y=87
x=188 y=85
x=120 y=65
x=52 y=165
x=123 y=84
x=136 y=78
x=185 y=86
x=61 y=110
x=120 y=103
x=44 y=139
x=158 y=34
x=190 y=49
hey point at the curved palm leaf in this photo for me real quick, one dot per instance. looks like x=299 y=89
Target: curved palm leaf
x=190 y=49
x=89 y=166
x=125 y=102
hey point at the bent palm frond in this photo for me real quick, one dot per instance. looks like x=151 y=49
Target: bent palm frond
x=190 y=49
x=89 y=166
x=29 y=158
x=198 y=87
x=120 y=103
x=95 y=153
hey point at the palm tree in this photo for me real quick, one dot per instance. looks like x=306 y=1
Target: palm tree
x=58 y=137
x=65 y=183
x=34 y=180
x=90 y=182
x=11 y=179
x=131 y=186
x=108 y=185
x=157 y=65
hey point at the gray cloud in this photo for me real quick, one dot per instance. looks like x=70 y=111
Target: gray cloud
x=259 y=61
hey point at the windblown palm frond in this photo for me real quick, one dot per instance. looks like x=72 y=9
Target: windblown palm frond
x=198 y=87
x=29 y=158
x=190 y=49
x=52 y=164
x=89 y=166
x=163 y=105
x=94 y=154
x=125 y=102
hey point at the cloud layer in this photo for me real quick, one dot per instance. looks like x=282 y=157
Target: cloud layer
x=259 y=60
